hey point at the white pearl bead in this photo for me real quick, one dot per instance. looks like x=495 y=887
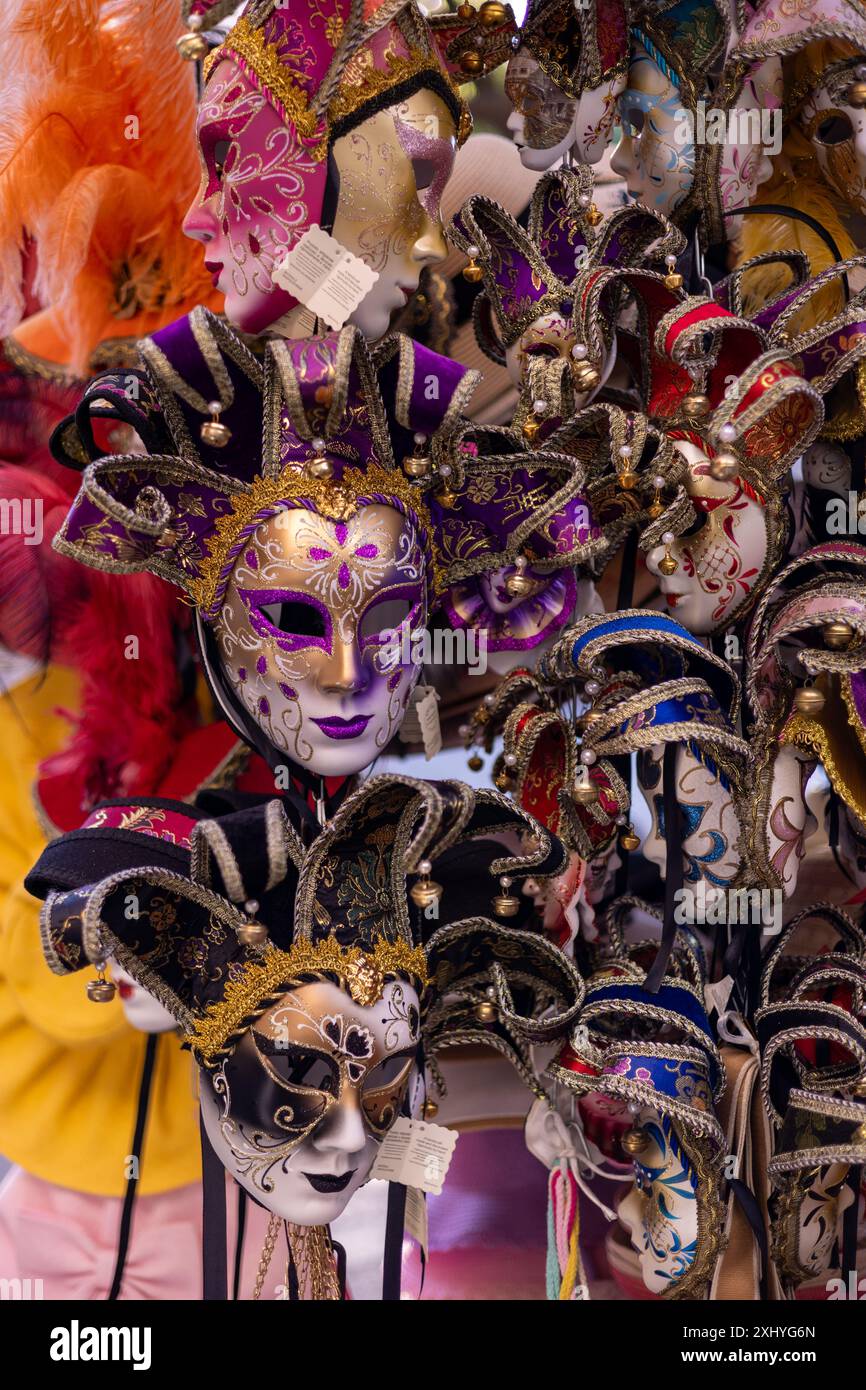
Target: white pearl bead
x=727 y=434
x=588 y=755
x=510 y=759
x=251 y=906
x=620 y=820
x=579 y=351
x=625 y=451
x=584 y=200
x=539 y=407
x=670 y=261
x=420 y=439
x=658 y=480
x=424 y=867
x=505 y=882
x=318 y=445
x=445 y=470
x=667 y=538
x=488 y=700
x=592 y=687
x=472 y=252
x=465 y=730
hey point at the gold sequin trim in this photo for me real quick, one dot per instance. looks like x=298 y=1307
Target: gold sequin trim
x=365 y=973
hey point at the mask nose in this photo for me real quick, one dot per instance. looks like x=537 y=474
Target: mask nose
x=342 y=1131
x=345 y=672
x=201 y=223
x=430 y=247
x=622 y=159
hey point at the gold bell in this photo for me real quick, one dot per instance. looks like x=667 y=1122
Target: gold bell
x=485 y=1012
x=628 y=479
x=724 y=466
x=519 y=584
x=593 y=216
x=101 y=991
x=252 y=934
x=531 y=426
x=192 y=47
x=809 y=700
x=425 y=892
x=629 y=840
x=505 y=904
x=656 y=506
x=429 y=1110
x=416 y=466
x=838 y=635
x=471 y=62
x=634 y=1141
x=504 y=780
x=695 y=405
x=472 y=272
x=445 y=498
x=859 y=1135
x=213 y=432
x=673 y=280
x=856 y=94
x=667 y=564
x=475 y=763
x=586 y=376
x=320 y=467
x=492 y=12
x=465 y=11
x=585 y=791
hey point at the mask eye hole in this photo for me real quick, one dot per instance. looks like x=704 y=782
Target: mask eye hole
x=294 y=618
x=387 y=1073
x=384 y=616
x=633 y=118
x=835 y=129
x=542 y=350
x=425 y=172
x=298 y=1066
x=220 y=155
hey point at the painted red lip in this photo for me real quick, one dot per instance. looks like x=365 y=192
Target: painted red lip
x=125 y=991
x=214 y=269
x=672 y=600
x=408 y=292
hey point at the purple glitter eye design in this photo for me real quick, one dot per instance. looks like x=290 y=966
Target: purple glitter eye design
x=293 y=620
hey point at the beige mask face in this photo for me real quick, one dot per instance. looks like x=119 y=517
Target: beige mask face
x=392 y=169
x=836 y=133
x=722 y=557
x=711 y=826
x=827 y=1197
x=311 y=610
x=298 y=1111
x=789 y=820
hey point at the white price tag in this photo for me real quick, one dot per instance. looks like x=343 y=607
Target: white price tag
x=324 y=276
x=415 y=1153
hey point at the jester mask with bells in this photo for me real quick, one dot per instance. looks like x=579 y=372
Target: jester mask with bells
x=813 y=1064
x=336 y=113
x=739 y=413
x=674 y=1213
x=675 y=48
x=653 y=690
x=542 y=311
x=806 y=662
x=563 y=79
x=316 y=546
x=306 y=1008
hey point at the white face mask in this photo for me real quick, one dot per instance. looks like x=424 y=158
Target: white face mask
x=655 y=156
x=546 y=124
x=837 y=136
x=712 y=827
x=789 y=820
x=827 y=467
x=142 y=1011
x=661 y=1211
x=551 y=337
x=298 y=1111
x=722 y=558
x=312 y=609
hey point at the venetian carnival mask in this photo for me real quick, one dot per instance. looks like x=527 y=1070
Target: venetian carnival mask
x=547 y=124
x=661 y=1211
x=710 y=825
x=722 y=557
x=656 y=155
x=310 y=607
x=753 y=135
x=298 y=1111
x=388 y=173
x=836 y=132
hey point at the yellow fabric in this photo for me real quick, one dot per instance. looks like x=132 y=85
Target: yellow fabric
x=69 y=1069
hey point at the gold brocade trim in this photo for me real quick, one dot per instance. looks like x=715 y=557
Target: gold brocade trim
x=335 y=500
x=251 y=46
x=363 y=971
x=811 y=733
x=353 y=95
